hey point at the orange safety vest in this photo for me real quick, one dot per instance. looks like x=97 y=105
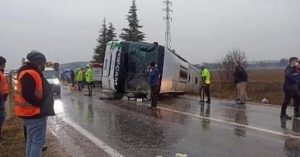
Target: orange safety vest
x=4 y=88
x=22 y=107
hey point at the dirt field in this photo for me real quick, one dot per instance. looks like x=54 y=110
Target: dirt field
x=13 y=146
x=262 y=84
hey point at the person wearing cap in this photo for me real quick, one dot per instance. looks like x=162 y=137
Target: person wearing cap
x=34 y=102
x=89 y=78
x=154 y=80
x=4 y=90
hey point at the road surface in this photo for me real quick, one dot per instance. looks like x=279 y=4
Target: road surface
x=88 y=126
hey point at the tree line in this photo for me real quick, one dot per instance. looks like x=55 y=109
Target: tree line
x=107 y=33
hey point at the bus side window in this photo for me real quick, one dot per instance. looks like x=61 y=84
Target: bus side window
x=183 y=74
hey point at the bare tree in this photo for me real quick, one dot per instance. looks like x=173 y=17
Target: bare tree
x=228 y=63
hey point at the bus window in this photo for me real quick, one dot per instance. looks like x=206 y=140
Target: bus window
x=183 y=74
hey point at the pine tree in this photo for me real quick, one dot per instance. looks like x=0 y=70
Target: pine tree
x=99 y=51
x=111 y=32
x=132 y=33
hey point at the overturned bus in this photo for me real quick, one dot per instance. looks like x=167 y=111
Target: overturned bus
x=126 y=65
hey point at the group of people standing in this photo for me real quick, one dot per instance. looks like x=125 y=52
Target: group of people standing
x=291 y=86
x=240 y=76
x=33 y=101
x=83 y=76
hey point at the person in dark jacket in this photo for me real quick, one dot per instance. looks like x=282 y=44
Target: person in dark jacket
x=290 y=89
x=4 y=91
x=72 y=75
x=41 y=102
x=241 y=81
x=154 y=79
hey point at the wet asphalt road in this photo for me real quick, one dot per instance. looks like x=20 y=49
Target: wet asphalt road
x=180 y=125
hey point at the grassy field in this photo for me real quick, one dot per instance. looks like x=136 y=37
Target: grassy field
x=262 y=84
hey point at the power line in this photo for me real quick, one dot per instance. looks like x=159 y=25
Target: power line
x=168 y=20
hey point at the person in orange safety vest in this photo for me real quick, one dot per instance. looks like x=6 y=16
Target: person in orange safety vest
x=4 y=90
x=34 y=102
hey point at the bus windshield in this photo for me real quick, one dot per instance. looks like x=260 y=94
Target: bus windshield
x=140 y=55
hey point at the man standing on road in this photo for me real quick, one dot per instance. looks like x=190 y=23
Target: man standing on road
x=206 y=81
x=34 y=102
x=154 y=78
x=89 y=76
x=290 y=88
x=4 y=90
x=241 y=80
x=79 y=79
x=72 y=75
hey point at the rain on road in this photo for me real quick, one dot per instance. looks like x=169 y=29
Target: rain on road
x=88 y=126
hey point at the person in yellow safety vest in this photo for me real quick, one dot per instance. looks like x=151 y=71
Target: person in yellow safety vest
x=89 y=78
x=4 y=90
x=206 y=81
x=79 y=79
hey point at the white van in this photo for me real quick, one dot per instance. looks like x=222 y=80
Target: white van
x=52 y=76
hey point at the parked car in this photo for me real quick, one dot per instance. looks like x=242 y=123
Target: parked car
x=52 y=76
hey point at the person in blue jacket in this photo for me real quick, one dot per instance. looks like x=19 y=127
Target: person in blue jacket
x=290 y=88
x=154 y=81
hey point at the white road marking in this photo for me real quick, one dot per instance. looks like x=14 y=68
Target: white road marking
x=231 y=123
x=102 y=145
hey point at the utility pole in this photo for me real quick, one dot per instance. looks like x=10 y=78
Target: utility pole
x=168 y=20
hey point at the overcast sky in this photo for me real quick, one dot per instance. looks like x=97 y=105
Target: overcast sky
x=202 y=30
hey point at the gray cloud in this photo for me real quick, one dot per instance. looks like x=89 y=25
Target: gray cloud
x=202 y=30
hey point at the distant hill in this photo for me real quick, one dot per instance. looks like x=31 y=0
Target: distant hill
x=263 y=64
